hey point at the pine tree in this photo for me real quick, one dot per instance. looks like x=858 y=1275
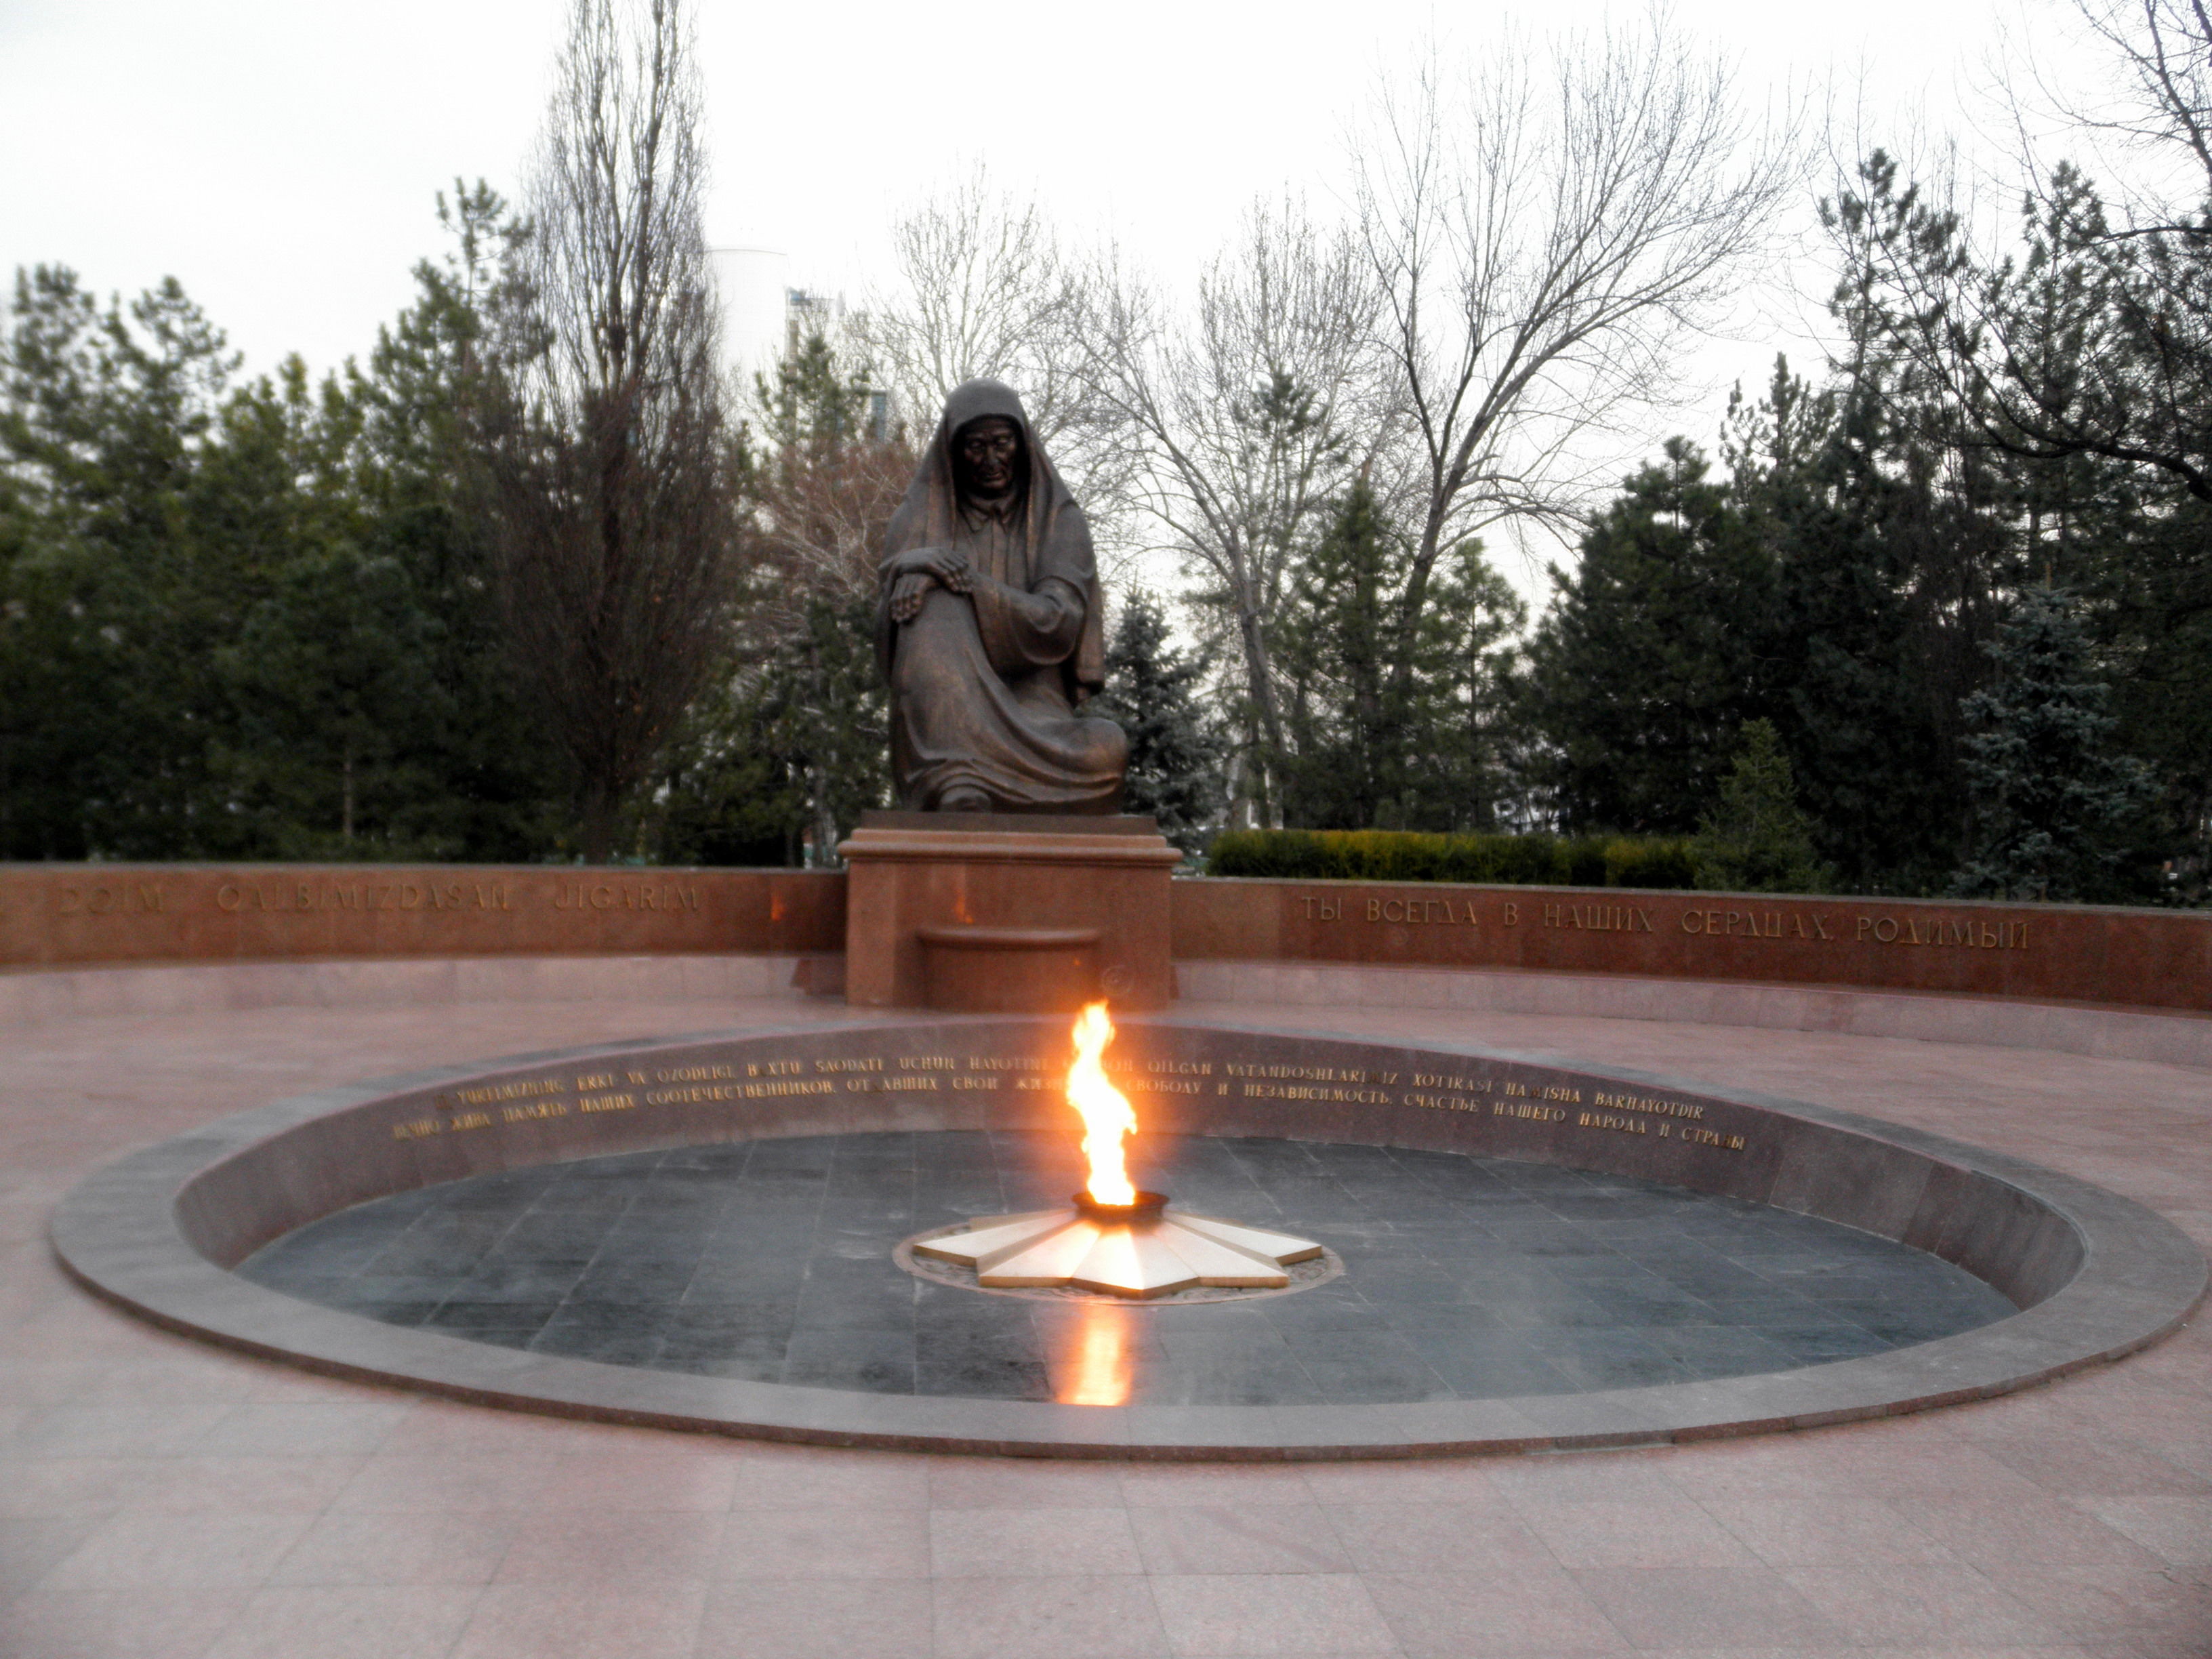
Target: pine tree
x=1879 y=571
x=491 y=779
x=1332 y=655
x=251 y=621
x=1371 y=748
x=792 y=745
x=120 y=578
x=1153 y=692
x=2052 y=800
x=1648 y=663
x=1757 y=840
x=776 y=762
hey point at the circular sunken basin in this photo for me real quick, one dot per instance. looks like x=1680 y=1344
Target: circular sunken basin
x=1466 y=1277
x=699 y=1233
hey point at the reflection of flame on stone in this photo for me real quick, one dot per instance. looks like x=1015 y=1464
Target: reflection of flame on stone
x=1099 y=1373
x=1106 y=1114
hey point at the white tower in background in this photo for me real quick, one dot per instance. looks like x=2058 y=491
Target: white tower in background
x=755 y=282
x=765 y=318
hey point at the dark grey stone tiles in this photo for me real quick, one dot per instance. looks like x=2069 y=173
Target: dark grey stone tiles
x=1468 y=1277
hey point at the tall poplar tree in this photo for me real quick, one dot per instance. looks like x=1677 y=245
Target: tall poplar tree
x=599 y=419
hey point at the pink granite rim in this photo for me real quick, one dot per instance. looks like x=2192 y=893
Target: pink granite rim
x=2098 y=1276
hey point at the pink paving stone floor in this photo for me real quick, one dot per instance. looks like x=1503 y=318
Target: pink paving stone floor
x=162 y=1500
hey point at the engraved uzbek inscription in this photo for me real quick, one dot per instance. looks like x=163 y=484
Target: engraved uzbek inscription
x=1534 y=1100
x=660 y=897
x=324 y=896
x=1786 y=922
x=120 y=898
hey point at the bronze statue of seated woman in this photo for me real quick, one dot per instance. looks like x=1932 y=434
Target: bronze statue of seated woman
x=989 y=628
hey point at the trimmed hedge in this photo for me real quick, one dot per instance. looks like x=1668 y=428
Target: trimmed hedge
x=1400 y=855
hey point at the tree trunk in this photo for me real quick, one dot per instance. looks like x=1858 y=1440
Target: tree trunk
x=1260 y=676
x=596 y=821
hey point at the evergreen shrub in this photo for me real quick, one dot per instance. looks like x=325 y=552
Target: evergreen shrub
x=1402 y=855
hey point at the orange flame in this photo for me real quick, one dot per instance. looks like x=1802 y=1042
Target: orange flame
x=1100 y=1375
x=1106 y=1114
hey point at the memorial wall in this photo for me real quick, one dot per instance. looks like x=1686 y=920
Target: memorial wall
x=2128 y=958
x=60 y=915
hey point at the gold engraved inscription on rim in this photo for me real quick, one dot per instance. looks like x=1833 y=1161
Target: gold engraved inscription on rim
x=517 y=1101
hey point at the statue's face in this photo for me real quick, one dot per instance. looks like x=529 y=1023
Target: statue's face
x=987 y=452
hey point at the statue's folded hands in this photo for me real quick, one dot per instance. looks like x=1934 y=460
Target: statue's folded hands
x=914 y=571
x=948 y=565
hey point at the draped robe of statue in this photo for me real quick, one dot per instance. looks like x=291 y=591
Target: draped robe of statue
x=985 y=685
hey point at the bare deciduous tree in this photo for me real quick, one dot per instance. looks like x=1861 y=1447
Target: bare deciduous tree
x=1246 y=413
x=2157 y=100
x=601 y=418
x=986 y=287
x=821 y=518
x=2096 y=339
x=1551 y=228
x=982 y=289
x=823 y=489
x=821 y=483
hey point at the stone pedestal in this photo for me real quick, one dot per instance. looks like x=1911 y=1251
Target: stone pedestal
x=1008 y=970
x=990 y=887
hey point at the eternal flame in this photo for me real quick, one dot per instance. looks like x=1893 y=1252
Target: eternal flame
x=989 y=626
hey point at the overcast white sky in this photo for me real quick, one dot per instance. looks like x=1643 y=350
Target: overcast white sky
x=281 y=159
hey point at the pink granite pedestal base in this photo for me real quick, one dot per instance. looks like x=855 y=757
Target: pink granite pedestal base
x=911 y=871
